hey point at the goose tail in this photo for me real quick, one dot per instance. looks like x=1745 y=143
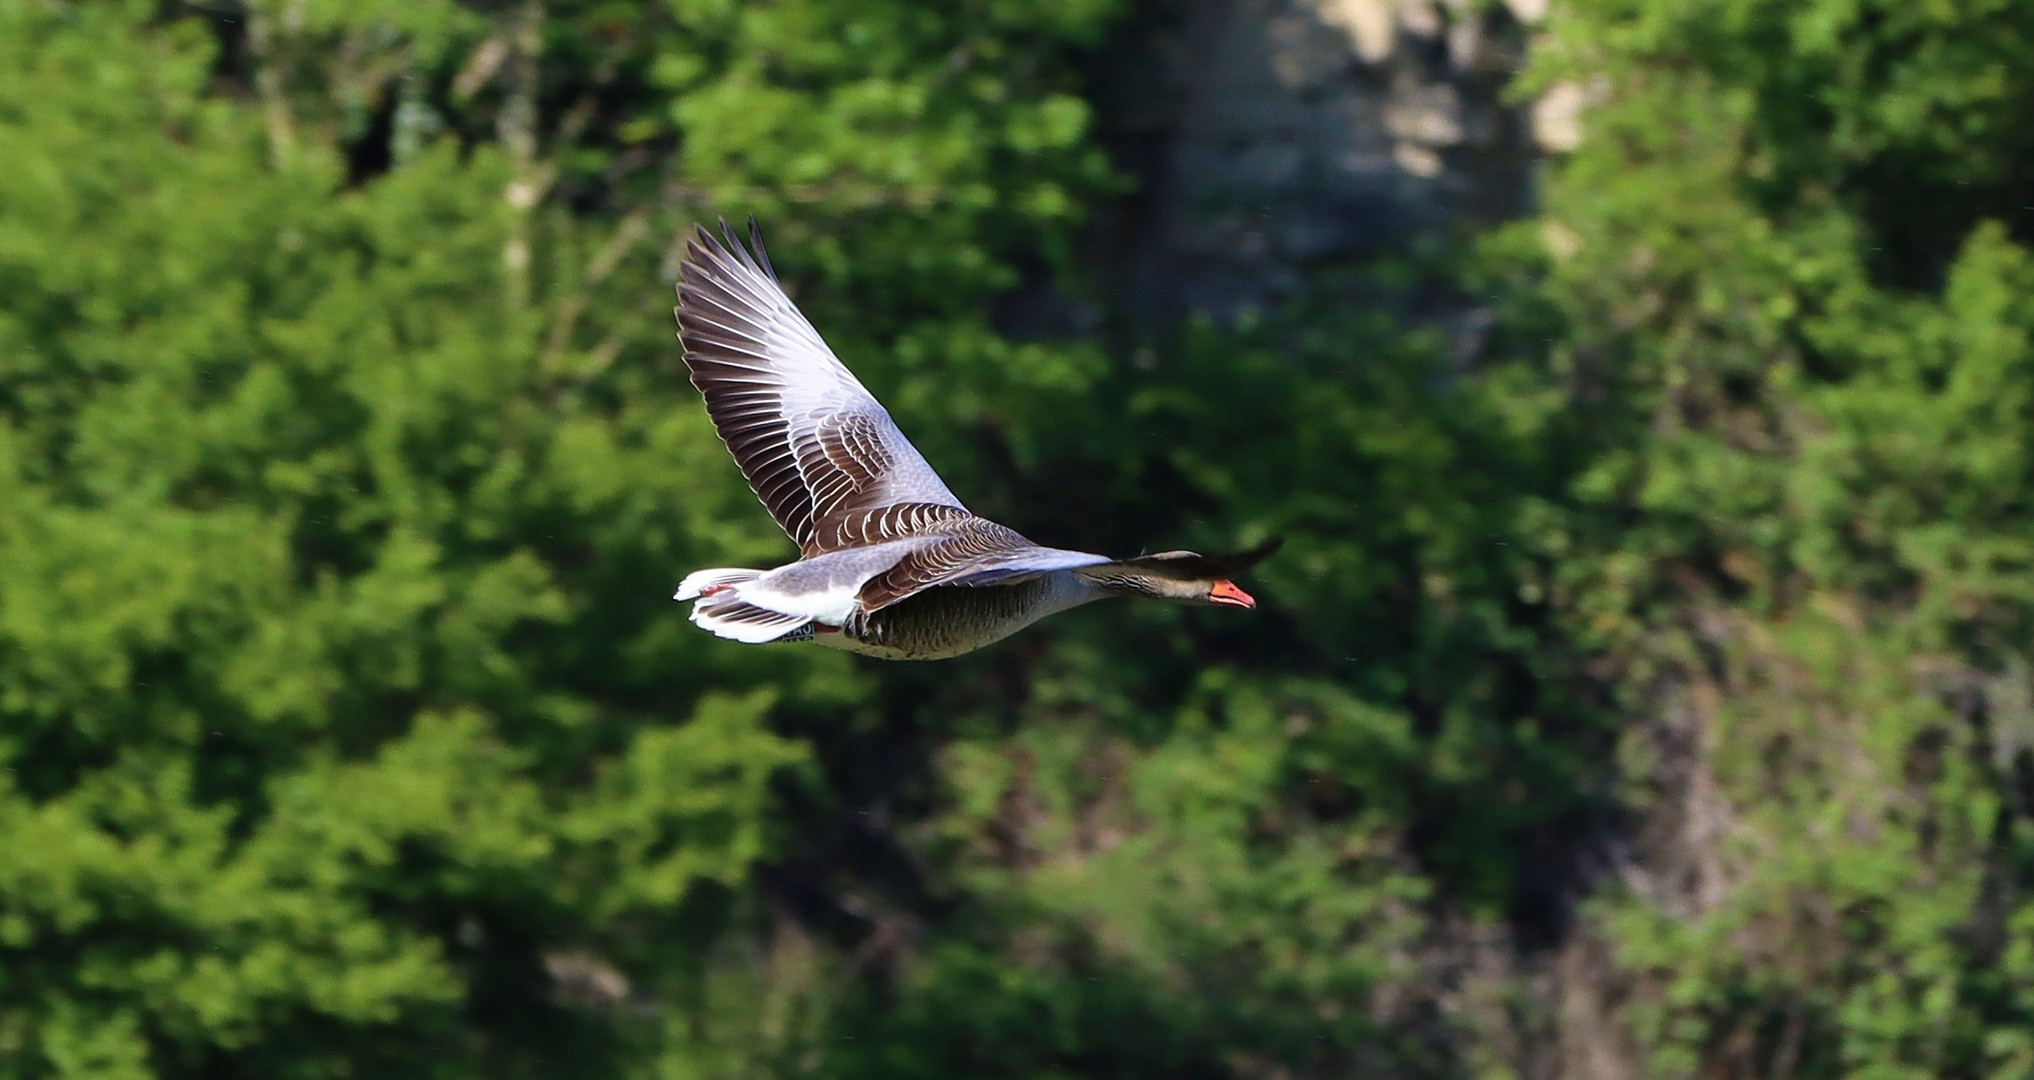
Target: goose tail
x=721 y=610
x=700 y=582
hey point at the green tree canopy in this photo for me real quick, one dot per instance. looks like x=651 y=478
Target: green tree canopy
x=1647 y=694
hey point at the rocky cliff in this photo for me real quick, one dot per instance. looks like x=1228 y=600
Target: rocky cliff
x=1274 y=138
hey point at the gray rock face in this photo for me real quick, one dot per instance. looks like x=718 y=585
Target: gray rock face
x=1273 y=139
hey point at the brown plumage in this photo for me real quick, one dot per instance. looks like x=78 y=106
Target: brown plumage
x=891 y=564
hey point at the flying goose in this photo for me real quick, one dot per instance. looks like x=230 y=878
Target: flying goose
x=890 y=563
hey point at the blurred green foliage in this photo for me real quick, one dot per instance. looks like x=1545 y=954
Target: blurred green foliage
x=1647 y=694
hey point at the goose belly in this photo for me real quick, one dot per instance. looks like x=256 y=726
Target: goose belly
x=950 y=620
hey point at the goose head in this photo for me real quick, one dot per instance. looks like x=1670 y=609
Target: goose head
x=1183 y=577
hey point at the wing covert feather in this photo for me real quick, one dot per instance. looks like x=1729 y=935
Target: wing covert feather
x=813 y=443
x=976 y=552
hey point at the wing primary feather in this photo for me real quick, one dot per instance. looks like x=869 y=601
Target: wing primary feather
x=810 y=439
x=756 y=244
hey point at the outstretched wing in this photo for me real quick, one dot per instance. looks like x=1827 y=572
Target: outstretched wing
x=814 y=444
x=976 y=552
x=1193 y=566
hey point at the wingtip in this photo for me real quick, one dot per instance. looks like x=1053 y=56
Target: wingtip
x=756 y=245
x=1249 y=558
x=726 y=246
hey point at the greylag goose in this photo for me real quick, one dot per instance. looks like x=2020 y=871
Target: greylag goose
x=890 y=563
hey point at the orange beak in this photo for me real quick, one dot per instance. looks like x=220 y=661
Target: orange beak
x=1227 y=594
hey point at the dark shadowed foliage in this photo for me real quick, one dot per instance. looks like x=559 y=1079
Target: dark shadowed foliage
x=1642 y=688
